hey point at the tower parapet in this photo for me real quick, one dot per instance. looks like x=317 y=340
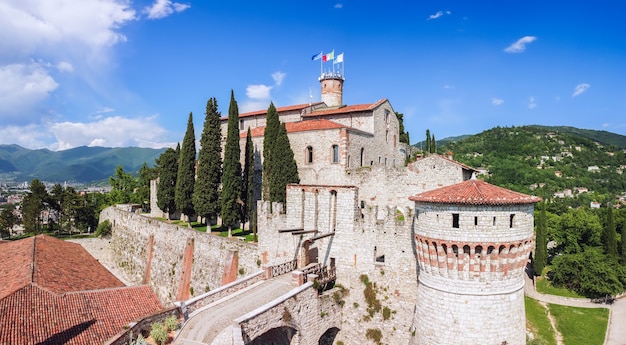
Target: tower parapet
x=332 y=88
x=472 y=242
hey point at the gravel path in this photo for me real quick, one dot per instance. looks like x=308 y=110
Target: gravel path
x=100 y=249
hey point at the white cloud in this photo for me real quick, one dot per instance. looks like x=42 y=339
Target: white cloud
x=278 y=77
x=31 y=136
x=448 y=87
x=65 y=66
x=113 y=131
x=259 y=91
x=531 y=103
x=163 y=8
x=520 y=45
x=21 y=87
x=438 y=15
x=580 y=89
x=496 y=101
x=338 y=5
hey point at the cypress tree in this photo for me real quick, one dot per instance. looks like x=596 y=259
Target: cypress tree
x=206 y=193
x=186 y=172
x=272 y=124
x=427 y=148
x=433 y=144
x=541 y=243
x=284 y=168
x=609 y=236
x=167 y=165
x=231 y=178
x=247 y=181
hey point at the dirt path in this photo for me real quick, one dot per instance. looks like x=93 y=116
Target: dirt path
x=557 y=334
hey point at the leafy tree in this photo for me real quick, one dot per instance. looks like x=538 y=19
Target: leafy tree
x=609 y=237
x=541 y=243
x=186 y=178
x=142 y=193
x=247 y=181
x=123 y=186
x=272 y=125
x=56 y=202
x=623 y=244
x=167 y=165
x=578 y=230
x=404 y=136
x=284 y=168
x=206 y=194
x=589 y=273
x=7 y=220
x=33 y=204
x=231 y=178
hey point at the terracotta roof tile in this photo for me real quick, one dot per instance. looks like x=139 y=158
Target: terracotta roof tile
x=300 y=126
x=347 y=109
x=474 y=192
x=54 y=292
x=279 y=110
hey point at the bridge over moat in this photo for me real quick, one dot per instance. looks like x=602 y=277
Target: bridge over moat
x=286 y=308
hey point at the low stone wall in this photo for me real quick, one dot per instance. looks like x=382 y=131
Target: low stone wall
x=195 y=304
x=177 y=262
x=142 y=326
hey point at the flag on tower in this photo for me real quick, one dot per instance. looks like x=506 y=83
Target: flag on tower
x=329 y=56
x=339 y=58
x=317 y=56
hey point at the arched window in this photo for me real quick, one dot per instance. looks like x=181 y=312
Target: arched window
x=335 y=154
x=309 y=155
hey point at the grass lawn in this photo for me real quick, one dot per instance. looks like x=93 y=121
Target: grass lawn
x=537 y=321
x=544 y=286
x=581 y=325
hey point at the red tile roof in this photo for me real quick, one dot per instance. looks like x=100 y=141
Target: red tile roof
x=347 y=109
x=54 y=292
x=279 y=110
x=300 y=126
x=474 y=192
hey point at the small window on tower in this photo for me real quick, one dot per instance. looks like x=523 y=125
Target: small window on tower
x=335 y=154
x=455 y=220
x=475 y=221
x=309 y=154
x=511 y=220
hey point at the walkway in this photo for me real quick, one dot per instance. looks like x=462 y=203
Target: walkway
x=206 y=325
x=617 y=311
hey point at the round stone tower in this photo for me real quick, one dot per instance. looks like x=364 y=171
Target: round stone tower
x=332 y=89
x=472 y=240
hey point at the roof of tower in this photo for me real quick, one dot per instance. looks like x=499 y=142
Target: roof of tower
x=474 y=192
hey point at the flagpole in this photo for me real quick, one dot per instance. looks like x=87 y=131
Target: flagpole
x=321 y=62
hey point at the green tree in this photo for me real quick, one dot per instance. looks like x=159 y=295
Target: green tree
x=609 y=236
x=56 y=203
x=427 y=144
x=142 y=192
x=206 y=194
x=578 y=229
x=231 y=178
x=272 y=125
x=404 y=136
x=167 y=166
x=284 y=168
x=122 y=186
x=8 y=219
x=541 y=242
x=433 y=144
x=186 y=178
x=247 y=181
x=589 y=273
x=623 y=244
x=35 y=201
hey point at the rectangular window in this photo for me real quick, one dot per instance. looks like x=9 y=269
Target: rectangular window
x=475 y=221
x=455 y=220
x=335 y=154
x=511 y=220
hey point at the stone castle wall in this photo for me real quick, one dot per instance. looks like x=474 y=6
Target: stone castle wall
x=134 y=236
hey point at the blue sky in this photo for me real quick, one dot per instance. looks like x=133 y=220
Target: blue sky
x=120 y=73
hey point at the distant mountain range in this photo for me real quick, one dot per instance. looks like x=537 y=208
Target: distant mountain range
x=603 y=137
x=81 y=164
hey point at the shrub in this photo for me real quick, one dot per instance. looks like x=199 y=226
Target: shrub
x=386 y=313
x=171 y=323
x=158 y=333
x=104 y=228
x=374 y=334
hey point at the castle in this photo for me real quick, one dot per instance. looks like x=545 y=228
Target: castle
x=441 y=255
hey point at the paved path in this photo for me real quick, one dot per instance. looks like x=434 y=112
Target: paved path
x=617 y=325
x=205 y=326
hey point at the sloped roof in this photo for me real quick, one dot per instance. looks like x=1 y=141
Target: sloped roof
x=436 y=155
x=55 y=292
x=474 y=192
x=279 y=110
x=346 y=109
x=300 y=126
x=52 y=264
